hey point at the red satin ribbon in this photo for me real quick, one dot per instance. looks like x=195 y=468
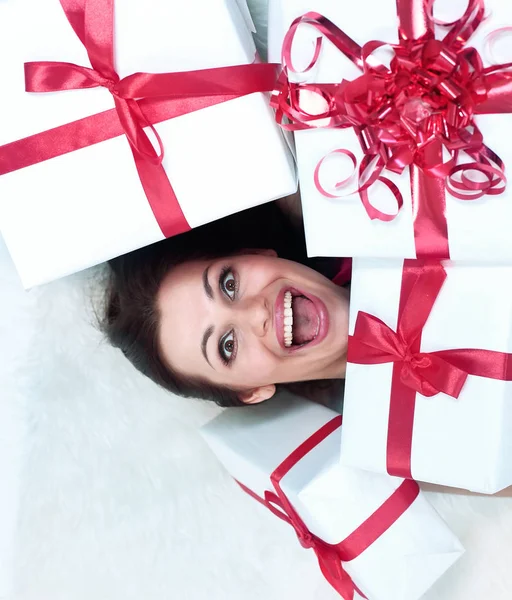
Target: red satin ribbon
x=141 y=100
x=414 y=371
x=331 y=556
x=408 y=115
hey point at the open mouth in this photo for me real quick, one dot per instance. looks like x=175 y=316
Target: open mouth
x=301 y=322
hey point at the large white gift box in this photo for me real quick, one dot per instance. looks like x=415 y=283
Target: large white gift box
x=476 y=230
x=84 y=207
x=258 y=444
x=461 y=436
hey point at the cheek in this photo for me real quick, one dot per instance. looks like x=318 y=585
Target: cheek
x=260 y=366
x=260 y=276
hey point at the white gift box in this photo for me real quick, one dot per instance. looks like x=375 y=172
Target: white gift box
x=87 y=206
x=464 y=442
x=477 y=230
x=333 y=500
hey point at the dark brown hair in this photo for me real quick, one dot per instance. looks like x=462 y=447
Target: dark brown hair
x=131 y=317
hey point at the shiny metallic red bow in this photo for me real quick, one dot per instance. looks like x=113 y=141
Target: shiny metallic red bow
x=408 y=114
x=428 y=373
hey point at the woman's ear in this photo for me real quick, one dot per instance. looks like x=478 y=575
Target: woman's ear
x=268 y=252
x=260 y=251
x=257 y=395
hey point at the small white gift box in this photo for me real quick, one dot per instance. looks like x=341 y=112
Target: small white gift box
x=408 y=335
x=88 y=205
x=286 y=454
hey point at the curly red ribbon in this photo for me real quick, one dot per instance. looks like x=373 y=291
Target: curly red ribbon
x=414 y=371
x=141 y=100
x=331 y=556
x=410 y=114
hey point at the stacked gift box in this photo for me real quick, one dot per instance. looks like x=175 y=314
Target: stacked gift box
x=375 y=536
x=426 y=130
x=112 y=155
x=402 y=145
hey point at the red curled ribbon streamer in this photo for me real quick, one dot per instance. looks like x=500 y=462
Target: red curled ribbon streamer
x=414 y=371
x=141 y=100
x=418 y=113
x=331 y=556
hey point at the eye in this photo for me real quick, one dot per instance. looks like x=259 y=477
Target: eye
x=228 y=283
x=227 y=347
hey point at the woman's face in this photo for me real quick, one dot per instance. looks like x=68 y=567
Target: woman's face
x=229 y=321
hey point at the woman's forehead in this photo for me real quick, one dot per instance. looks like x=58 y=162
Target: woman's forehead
x=181 y=284
x=184 y=274
x=181 y=303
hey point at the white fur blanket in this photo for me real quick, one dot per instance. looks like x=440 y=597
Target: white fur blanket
x=107 y=492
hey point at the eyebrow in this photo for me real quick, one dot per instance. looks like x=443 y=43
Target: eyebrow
x=206 y=284
x=206 y=336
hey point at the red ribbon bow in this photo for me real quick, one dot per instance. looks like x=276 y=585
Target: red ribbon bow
x=414 y=371
x=141 y=100
x=92 y=21
x=407 y=115
x=331 y=556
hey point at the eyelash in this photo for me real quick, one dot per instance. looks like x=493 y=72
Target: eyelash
x=222 y=277
x=222 y=352
x=231 y=295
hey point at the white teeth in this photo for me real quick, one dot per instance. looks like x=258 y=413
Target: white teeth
x=288 y=319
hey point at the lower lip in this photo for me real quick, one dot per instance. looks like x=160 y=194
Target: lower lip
x=321 y=310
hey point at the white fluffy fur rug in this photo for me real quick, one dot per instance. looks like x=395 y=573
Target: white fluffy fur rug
x=107 y=491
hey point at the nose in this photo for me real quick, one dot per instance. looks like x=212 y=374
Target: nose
x=256 y=315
